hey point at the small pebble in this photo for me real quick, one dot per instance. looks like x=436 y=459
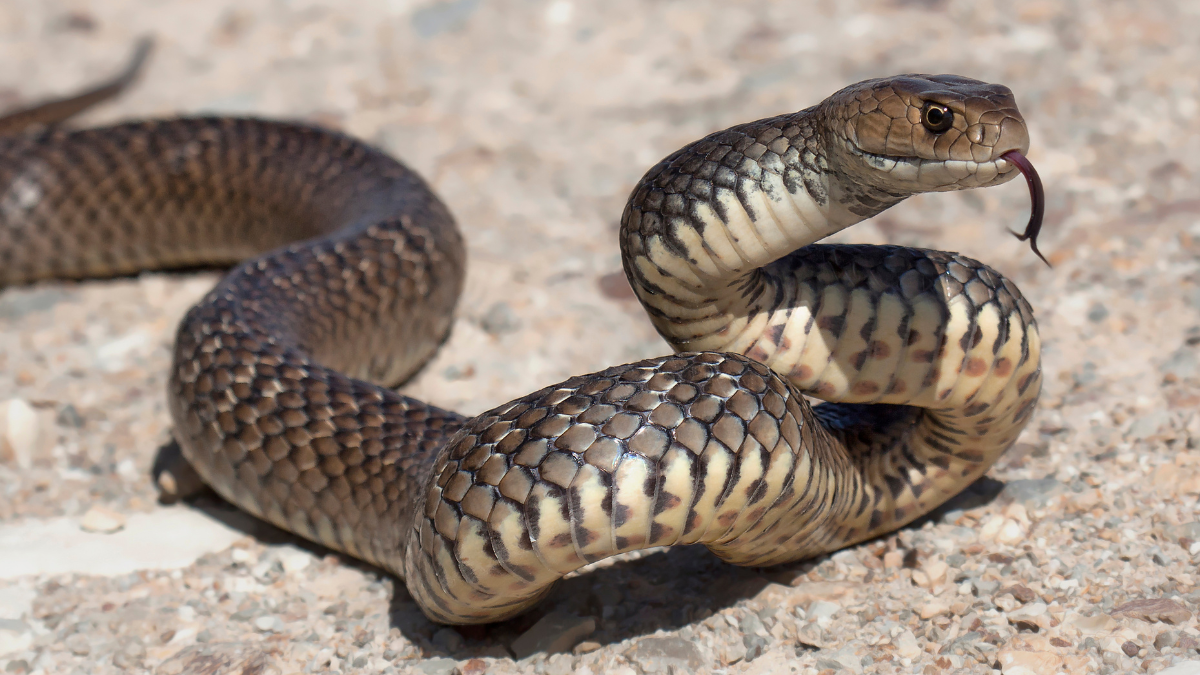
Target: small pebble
x=932 y=609
x=1166 y=639
x=1181 y=364
x=294 y=560
x=448 y=640
x=1149 y=424
x=668 y=654
x=69 y=417
x=1154 y=609
x=78 y=644
x=500 y=319
x=906 y=645
x=1028 y=662
x=984 y=588
x=555 y=632
x=129 y=655
x=473 y=667
x=1097 y=312
x=268 y=624
x=438 y=666
x=102 y=519
x=1032 y=493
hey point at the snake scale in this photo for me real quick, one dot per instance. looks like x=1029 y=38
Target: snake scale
x=347 y=268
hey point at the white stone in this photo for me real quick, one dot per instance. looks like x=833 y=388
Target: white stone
x=1017 y=512
x=823 y=609
x=21 y=432
x=991 y=527
x=936 y=571
x=1095 y=625
x=102 y=519
x=1006 y=602
x=1034 y=612
x=117 y=355
x=322 y=659
x=1011 y=532
x=163 y=539
x=934 y=608
x=851 y=662
x=906 y=645
x=183 y=636
x=293 y=559
x=127 y=469
x=438 y=666
x=1014 y=662
x=1033 y=609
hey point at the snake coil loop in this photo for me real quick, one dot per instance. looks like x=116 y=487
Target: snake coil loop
x=346 y=273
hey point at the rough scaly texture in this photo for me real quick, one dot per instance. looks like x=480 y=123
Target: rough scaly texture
x=480 y=516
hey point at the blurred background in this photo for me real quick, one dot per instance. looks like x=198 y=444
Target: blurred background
x=534 y=118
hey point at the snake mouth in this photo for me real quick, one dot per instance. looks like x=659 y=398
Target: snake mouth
x=940 y=175
x=957 y=174
x=1037 y=198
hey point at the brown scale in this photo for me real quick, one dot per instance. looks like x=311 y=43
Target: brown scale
x=346 y=273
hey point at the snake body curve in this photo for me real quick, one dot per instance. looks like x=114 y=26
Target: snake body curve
x=348 y=269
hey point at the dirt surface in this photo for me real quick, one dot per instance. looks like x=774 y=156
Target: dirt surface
x=533 y=119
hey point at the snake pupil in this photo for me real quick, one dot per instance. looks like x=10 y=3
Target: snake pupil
x=937 y=118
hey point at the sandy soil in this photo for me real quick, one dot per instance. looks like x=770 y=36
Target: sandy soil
x=533 y=119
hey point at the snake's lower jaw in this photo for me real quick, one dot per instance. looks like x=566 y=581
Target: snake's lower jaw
x=986 y=174
x=906 y=176
x=1002 y=176
x=1007 y=169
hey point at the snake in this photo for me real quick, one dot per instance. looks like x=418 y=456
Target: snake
x=345 y=270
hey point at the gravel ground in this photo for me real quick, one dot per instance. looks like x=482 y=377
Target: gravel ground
x=533 y=119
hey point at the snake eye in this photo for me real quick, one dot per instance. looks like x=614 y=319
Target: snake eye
x=937 y=117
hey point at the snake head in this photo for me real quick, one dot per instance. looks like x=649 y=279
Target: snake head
x=924 y=133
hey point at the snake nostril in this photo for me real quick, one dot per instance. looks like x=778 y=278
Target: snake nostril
x=1013 y=136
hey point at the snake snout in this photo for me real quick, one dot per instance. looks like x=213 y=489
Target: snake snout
x=1013 y=135
x=927 y=133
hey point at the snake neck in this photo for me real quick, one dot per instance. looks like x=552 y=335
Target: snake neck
x=706 y=232
x=718 y=242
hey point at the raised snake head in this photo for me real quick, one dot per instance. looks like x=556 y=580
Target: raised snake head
x=924 y=133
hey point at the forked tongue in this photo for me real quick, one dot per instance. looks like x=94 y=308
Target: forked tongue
x=1036 y=196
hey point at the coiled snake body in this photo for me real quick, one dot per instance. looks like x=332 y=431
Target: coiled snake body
x=931 y=358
